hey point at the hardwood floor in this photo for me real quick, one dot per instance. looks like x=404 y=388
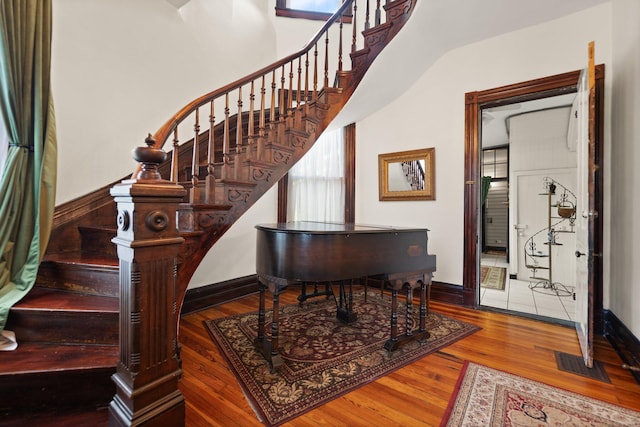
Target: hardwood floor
x=416 y=395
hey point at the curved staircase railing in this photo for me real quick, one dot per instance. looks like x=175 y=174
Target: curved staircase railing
x=280 y=92
x=268 y=141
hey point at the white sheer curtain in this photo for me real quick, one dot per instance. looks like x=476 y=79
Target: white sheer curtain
x=316 y=183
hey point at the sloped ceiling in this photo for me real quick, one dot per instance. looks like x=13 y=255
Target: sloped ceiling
x=438 y=26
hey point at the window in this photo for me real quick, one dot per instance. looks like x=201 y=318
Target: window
x=309 y=9
x=316 y=184
x=495 y=163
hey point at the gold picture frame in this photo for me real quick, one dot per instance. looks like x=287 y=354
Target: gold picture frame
x=407 y=175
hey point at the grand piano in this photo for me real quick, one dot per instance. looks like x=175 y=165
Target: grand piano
x=300 y=252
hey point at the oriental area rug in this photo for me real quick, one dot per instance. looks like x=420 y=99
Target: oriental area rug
x=493 y=398
x=323 y=358
x=493 y=277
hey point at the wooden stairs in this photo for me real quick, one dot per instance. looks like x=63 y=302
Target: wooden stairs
x=68 y=325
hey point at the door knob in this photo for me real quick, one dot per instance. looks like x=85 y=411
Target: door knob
x=579 y=254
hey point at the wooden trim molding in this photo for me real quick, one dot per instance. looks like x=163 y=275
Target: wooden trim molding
x=284 y=11
x=197 y=299
x=350 y=173
x=519 y=92
x=623 y=342
x=201 y=298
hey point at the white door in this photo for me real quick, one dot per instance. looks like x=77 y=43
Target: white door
x=586 y=214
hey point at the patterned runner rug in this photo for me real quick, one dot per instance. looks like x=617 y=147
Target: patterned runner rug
x=493 y=277
x=488 y=397
x=323 y=358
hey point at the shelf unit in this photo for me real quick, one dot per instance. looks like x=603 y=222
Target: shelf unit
x=560 y=208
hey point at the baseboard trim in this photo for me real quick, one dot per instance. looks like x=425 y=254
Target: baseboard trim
x=623 y=342
x=197 y=299
x=201 y=298
x=447 y=293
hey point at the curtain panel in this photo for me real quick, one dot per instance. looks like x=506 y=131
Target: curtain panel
x=27 y=184
x=317 y=182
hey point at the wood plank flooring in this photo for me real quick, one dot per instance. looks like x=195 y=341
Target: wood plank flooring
x=416 y=395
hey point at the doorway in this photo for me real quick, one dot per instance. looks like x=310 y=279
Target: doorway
x=482 y=103
x=520 y=270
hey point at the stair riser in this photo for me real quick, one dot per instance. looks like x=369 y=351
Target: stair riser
x=55 y=390
x=79 y=278
x=98 y=241
x=63 y=326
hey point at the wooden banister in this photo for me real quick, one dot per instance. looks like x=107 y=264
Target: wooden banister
x=162 y=245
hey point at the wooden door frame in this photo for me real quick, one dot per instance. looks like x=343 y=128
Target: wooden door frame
x=520 y=92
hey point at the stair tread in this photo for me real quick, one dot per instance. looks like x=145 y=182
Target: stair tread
x=32 y=358
x=110 y=227
x=58 y=417
x=83 y=259
x=59 y=300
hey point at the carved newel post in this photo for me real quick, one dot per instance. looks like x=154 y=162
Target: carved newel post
x=148 y=371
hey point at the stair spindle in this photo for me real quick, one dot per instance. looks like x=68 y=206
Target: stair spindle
x=367 y=25
x=326 y=60
x=315 y=72
x=272 y=113
x=210 y=180
x=239 y=148
x=378 y=12
x=174 y=156
x=354 y=25
x=263 y=91
x=225 y=138
x=250 y=125
x=290 y=95
x=195 y=162
x=306 y=84
x=298 y=94
x=340 y=27
x=282 y=109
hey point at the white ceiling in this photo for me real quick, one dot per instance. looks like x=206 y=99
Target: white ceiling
x=442 y=25
x=494 y=120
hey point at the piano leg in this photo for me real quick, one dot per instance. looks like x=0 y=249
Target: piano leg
x=276 y=359
x=409 y=315
x=345 y=313
x=269 y=348
x=261 y=315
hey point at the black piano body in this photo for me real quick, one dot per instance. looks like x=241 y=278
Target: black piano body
x=299 y=252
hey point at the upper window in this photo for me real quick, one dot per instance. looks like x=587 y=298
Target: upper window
x=308 y=9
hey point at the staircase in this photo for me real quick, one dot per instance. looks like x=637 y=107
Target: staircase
x=242 y=139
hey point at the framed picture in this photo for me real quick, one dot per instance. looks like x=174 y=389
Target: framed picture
x=407 y=175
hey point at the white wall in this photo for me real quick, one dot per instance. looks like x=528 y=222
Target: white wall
x=431 y=114
x=121 y=68
x=625 y=158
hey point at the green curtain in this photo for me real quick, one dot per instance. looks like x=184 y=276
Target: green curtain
x=486 y=184
x=27 y=185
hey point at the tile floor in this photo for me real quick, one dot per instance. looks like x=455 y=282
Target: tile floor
x=518 y=297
